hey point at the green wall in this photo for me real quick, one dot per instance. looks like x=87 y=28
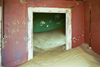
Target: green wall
x=47 y=21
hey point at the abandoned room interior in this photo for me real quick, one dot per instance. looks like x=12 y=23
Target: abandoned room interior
x=49 y=33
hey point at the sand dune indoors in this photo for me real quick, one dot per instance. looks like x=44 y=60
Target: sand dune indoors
x=80 y=56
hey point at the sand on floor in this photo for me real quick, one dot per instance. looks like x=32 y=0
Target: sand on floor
x=80 y=56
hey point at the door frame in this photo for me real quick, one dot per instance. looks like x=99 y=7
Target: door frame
x=68 y=18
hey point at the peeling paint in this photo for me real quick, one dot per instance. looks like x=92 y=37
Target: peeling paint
x=47 y=25
x=5 y=36
x=74 y=38
x=17 y=60
x=77 y=3
x=22 y=1
x=25 y=39
x=3 y=44
x=45 y=5
x=17 y=30
x=42 y=22
x=57 y=16
x=8 y=30
x=13 y=31
x=58 y=23
x=74 y=41
x=19 y=55
x=9 y=24
x=82 y=34
x=14 y=23
x=16 y=42
x=18 y=22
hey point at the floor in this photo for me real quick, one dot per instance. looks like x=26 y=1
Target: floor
x=48 y=40
x=80 y=56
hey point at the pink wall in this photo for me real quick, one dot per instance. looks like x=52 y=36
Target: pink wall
x=1 y=2
x=15 y=27
x=95 y=25
x=15 y=47
x=77 y=16
x=87 y=22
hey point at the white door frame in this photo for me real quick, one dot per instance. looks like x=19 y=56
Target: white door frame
x=31 y=10
x=0 y=36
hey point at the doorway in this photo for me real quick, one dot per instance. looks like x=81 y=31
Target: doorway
x=48 y=31
x=68 y=27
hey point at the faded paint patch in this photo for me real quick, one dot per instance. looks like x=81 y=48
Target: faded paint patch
x=22 y=1
x=13 y=31
x=57 y=16
x=18 y=22
x=17 y=60
x=14 y=23
x=8 y=30
x=9 y=24
x=74 y=38
x=42 y=22
x=5 y=36
x=16 y=42
x=74 y=41
x=23 y=22
x=50 y=21
x=47 y=25
x=19 y=56
x=3 y=44
x=25 y=39
x=17 y=30
x=82 y=34
x=77 y=3
x=71 y=7
x=58 y=23
x=45 y=5
x=13 y=55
